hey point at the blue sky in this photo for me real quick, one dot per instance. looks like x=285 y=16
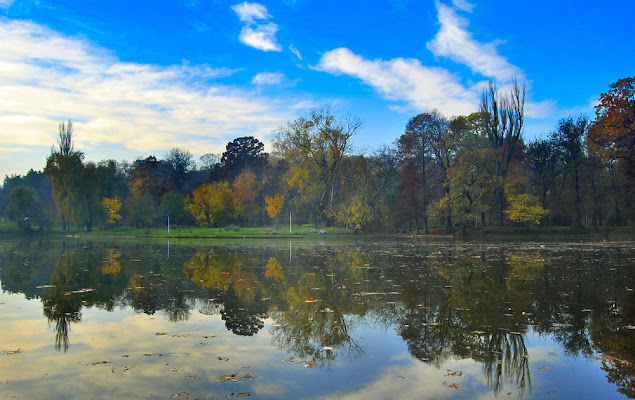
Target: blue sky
x=141 y=77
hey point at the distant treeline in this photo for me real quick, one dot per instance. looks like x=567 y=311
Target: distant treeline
x=473 y=170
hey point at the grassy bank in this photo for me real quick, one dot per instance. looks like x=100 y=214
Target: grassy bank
x=490 y=233
x=220 y=233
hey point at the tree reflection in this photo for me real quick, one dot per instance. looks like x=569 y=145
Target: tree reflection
x=244 y=319
x=235 y=285
x=444 y=302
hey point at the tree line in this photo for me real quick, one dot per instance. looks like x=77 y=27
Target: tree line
x=472 y=170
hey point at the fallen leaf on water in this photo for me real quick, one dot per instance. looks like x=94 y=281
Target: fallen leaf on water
x=101 y=362
x=160 y=334
x=13 y=351
x=225 y=378
x=223 y=358
x=454 y=373
x=451 y=385
x=544 y=367
x=242 y=394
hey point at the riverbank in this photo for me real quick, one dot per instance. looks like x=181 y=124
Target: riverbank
x=479 y=234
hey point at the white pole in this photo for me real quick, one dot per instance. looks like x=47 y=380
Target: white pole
x=290 y=230
x=168 y=224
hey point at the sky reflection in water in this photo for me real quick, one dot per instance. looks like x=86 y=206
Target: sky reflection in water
x=312 y=320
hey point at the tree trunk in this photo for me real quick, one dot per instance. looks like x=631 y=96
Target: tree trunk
x=578 y=212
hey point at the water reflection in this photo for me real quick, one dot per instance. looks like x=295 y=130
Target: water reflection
x=446 y=302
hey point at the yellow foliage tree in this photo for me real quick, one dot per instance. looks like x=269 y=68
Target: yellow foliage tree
x=274 y=206
x=212 y=203
x=273 y=269
x=112 y=267
x=525 y=208
x=112 y=206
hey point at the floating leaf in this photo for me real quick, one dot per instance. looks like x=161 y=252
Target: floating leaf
x=451 y=385
x=544 y=367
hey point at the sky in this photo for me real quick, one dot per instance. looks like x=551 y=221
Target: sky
x=138 y=78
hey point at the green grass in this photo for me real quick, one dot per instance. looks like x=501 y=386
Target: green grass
x=195 y=232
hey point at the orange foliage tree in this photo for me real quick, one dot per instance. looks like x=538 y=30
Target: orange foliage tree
x=613 y=131
x=246 y=190
x=614 y=127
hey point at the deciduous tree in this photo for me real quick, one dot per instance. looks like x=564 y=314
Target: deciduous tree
x=113 y=209
x=243 y=153
x=274 y=206
x=212 y=203
x=503 y=118
x=24 y=208
x=314 y=146
x=613 y=130
x=179 y=163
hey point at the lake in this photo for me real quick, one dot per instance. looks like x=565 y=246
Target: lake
x=316 y=318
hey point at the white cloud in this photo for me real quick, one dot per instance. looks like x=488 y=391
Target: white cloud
x=261 y=36
x=540 y=109
x=463 y=5
x=403 y=79
x=268 y=78
x=295 y=51
x=5 y=4
x=249 y=12
x=455 y=42
x=46 y=77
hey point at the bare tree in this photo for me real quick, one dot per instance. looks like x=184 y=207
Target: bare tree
x=503 y=117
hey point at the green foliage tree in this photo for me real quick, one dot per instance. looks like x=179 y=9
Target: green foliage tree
x=88 y=209
x=140 y=210
x=64 y=169
x=543 y=158
x=179 y=163
x=25 y=209
x=415 y=152
x=243 y=153
x=569 y=142
x=173 y=205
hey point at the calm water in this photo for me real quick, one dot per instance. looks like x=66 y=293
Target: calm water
x=358 y=320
